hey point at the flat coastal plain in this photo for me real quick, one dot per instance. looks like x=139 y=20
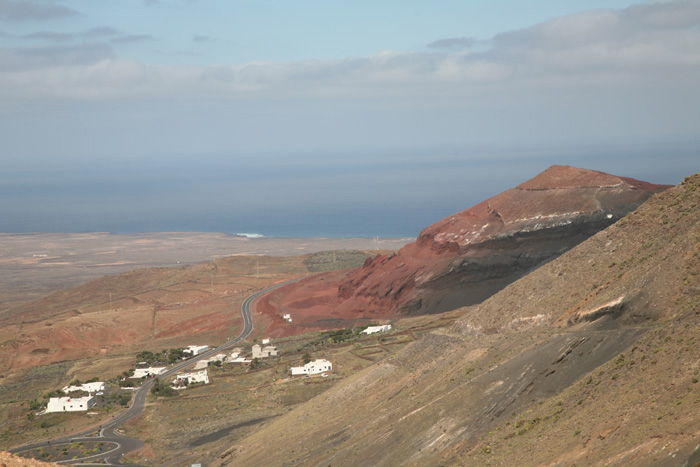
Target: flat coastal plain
x=33 y=265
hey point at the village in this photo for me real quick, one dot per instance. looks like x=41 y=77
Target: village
x=81 y=397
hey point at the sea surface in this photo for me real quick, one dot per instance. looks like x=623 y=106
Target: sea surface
x=391 y=194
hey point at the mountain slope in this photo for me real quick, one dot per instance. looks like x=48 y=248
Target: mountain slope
x=591 y=359
x=469 y=256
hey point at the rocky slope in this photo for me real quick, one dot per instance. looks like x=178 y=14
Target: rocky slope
x=591 y=359
x=467 y=257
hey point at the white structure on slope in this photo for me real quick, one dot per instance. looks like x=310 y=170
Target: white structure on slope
x=312 y=368
x=264 y=352
x=70 y=404
x=87 y=387
x=196 y=349
x=147 y=372
x=184 y=379
x=373 y=329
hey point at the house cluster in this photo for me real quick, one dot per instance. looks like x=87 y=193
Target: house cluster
x=258 y=351
x=312 y=368
x=287 y=317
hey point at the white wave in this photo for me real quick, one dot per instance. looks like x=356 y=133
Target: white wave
x=250 y=235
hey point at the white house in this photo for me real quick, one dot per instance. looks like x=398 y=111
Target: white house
x=147 y=372
x=264 y=352
x=312 y=368
x=196 y=349
x=373 y=329
x=191 y=378
x=235 y=353
x=70 y=404
x=287 y=317
x=265 y=341
x=87 y=387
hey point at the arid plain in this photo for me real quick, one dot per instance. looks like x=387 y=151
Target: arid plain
x=35 y=264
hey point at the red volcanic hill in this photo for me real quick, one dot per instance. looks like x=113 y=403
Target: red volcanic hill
x=467 y=257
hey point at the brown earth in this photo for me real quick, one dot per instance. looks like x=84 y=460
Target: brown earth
x=97 y=328
x=8 y=460
x=469 y=256
x=591 y=359
x=33 y=265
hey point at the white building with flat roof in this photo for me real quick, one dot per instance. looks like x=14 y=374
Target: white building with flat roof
x=193 y=377
x=373 y=329
x=147 y=372
x=196 y=349
x=70 y=404
x=312 y=368
x=87 y=387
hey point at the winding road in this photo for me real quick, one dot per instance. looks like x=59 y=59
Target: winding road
x=108 y=431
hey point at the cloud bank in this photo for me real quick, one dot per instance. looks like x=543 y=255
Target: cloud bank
x=28 y=10
x=641 y=44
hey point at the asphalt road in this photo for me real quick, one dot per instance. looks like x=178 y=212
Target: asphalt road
x=109 y=432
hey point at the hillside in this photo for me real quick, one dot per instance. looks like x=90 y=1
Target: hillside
x=149 y=308
x=591 y=359
x=469 y=256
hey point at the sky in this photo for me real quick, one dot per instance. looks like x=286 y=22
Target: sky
x=450 y=93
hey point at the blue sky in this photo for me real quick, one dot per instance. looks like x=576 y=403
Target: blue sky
x=503 y=86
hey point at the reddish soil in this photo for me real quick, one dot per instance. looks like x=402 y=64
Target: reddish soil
x=470 y=255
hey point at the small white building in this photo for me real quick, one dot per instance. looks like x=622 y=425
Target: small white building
x=373 y=329
x=196 y=349
x=201 y=364
x=265 y=352
x=191 y=378
x=70 y=404
x=87 y=387
x=265 y=341
x=239 y=360
x=147 y=372
x=312 y=368
x=235 y=353
x=287 y=317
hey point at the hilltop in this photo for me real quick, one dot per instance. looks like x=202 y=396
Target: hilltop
x=467 y=257
x=591 y=359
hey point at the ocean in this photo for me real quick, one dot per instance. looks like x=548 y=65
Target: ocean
x=391 y=194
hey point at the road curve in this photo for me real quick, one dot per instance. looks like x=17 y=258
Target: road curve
x=108 y=431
